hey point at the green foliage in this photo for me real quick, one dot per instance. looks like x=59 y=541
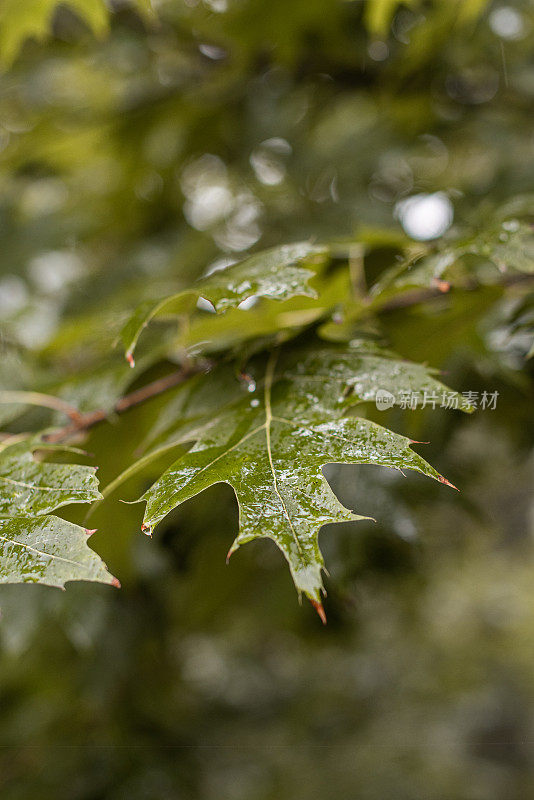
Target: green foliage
x=19 y=21
x=36 y=547
x=31 y=488
x=154 y=184
x=34 y=19
x=502 y=249
x=157 y=157
x=278 y=274
x=272 y=450
x=47 y=550
x=379 y=13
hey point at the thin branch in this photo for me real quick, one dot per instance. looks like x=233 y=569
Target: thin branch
x=92 y=418
x=417 y=296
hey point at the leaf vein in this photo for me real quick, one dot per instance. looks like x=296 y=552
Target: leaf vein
x=39 y=552
x=268 y=418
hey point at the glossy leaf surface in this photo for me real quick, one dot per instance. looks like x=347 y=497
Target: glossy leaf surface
x=506 y=248
x=48 y=550
x=36 y=547
x=271 y=443
x=29 y=488
x=277 y=274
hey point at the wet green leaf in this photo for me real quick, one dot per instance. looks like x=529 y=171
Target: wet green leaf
x=278 y=274
x=507 y=247
x=48 y=550
x=270 y=439
x=36 y=547
x=29 y=487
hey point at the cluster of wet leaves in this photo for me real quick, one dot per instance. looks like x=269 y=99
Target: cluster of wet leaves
x=35 y=545
x=267 y=431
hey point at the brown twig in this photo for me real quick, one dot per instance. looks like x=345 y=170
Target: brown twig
x=92 y=418
x=411 y=298
x=417 y=296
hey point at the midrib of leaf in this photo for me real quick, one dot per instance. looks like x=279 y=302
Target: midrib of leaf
x=40 y=552
x=269 y=374
x=38 y=488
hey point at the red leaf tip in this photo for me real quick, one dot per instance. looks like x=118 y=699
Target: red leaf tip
x=320 y=610
x=442 y=286
x=441 y=479
x=130 y=359
x=90 y=531
x=116 y=583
